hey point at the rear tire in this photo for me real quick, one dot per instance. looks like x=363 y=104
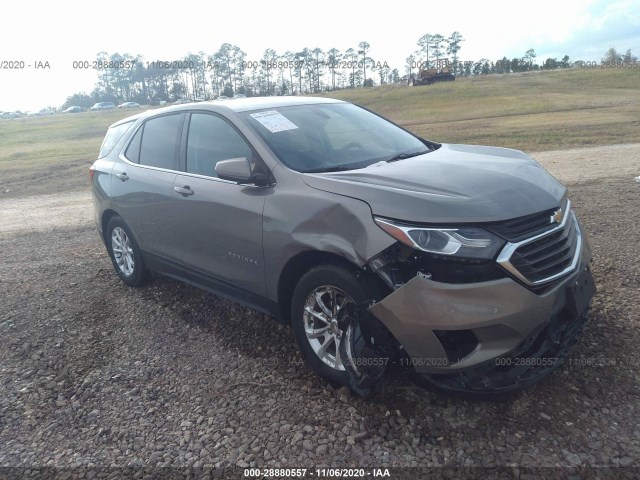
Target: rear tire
x=125 y=253
x=317 y=299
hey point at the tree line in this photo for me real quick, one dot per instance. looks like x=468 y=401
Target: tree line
x=126 y=77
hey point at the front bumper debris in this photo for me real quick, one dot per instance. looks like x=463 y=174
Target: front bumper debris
x=493 y=335
x=538 y=355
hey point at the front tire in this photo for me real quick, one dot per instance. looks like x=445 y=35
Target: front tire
x=317 y=300
x=125 y=253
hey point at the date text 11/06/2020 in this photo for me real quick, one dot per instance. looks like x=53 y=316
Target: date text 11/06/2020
x=316 y=472
x=500 y=361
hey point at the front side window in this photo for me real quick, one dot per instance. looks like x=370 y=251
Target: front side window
x=210 y=140
x=160 y=141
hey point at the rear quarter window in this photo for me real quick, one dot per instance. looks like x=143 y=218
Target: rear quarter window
x=113 y=136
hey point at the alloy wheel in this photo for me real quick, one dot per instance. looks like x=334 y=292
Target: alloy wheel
x=122 y=251
x=324 y=334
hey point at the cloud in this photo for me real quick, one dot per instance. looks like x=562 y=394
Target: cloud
x=583 y=29
x=602 y=25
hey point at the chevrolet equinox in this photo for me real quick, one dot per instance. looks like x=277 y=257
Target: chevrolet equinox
x=465 y=263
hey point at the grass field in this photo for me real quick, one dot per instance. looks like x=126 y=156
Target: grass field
x=50 y=154
x=533 y=111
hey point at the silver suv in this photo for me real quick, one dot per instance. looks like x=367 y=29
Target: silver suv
x=464 y=263
x=103 y=106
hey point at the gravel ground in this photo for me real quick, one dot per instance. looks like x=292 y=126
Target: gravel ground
x=93 y=373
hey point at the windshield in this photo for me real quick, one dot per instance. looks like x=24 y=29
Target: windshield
x=332 y=137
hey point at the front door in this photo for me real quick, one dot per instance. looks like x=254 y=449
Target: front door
x=220 y=222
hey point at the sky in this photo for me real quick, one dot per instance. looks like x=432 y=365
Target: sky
x=36 y=32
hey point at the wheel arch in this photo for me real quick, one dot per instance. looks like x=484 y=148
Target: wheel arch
x=296 y=267
x=138 y=274
x=301 y=263
x=107 y=215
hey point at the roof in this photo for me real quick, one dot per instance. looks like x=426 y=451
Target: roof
x=234 y=105
x=253 y=103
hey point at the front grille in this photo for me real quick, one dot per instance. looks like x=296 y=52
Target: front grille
x=523 y=227
x=520 y=228
x=544 y=257
x=547 y=256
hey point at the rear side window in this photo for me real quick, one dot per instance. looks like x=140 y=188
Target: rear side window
x=160 y=141
x=113 y=136
x=210 y=140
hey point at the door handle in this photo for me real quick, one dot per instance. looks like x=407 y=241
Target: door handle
x=184 y=190
x=122 y=176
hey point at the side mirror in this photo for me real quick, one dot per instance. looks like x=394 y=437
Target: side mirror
x=239 y=170
x=234 y=169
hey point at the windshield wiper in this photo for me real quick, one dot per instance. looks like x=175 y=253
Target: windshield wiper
x=405 y=155
x=332 y=169
x=357 y=166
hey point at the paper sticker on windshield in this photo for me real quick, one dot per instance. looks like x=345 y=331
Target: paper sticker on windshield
x=274 y=121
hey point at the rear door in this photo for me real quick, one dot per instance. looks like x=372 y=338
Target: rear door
x=220 y=221
x=142 y=185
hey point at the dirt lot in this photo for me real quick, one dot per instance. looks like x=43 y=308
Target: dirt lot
x=96 y=374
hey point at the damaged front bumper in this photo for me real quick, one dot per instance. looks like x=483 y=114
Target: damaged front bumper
x=491 y=335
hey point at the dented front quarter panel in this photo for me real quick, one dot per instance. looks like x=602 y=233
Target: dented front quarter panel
x=298 y=218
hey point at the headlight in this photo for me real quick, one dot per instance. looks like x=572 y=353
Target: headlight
x=469 y=242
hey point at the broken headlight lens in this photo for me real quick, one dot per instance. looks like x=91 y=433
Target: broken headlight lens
x=468 y=242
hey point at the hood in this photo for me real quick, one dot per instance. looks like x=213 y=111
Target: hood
x=454 y=184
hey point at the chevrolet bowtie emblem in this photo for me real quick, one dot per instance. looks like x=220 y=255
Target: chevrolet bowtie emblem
x=557 y=216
